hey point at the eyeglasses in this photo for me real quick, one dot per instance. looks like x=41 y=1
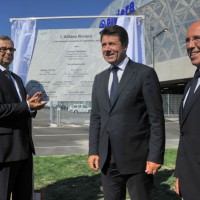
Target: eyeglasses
x=195 y=39
x=4 y=49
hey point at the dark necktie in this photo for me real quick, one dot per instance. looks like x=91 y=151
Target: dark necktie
x=114 y=83
x=7 y=73
x=192 y=89
x=12 y=85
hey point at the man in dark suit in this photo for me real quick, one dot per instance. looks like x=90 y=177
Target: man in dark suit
x=126 y=135
x=188 y=157
x=16 y=145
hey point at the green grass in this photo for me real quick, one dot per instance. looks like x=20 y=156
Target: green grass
x=69 y=178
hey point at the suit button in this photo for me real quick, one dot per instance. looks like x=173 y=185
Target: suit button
x=181 y=133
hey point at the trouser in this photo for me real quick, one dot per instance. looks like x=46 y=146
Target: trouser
x=140 y=186
x=16 y=178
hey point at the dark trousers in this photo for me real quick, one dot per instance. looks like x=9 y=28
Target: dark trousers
x=17 y=178
x=140 y=186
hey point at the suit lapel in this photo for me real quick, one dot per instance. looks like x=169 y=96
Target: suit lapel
x=194 y=98
x=105 y=100
x=181 y=103
x=10 y=86
x=20 y=86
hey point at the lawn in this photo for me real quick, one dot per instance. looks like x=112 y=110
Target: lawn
x=69 y=178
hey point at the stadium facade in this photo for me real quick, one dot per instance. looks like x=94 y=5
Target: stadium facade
x=165 y=52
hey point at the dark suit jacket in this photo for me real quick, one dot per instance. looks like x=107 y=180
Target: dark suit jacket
x=188 y=157
x=15 y=122
x=134 y=123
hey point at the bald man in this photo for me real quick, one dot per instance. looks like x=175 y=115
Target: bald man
x=187 y=170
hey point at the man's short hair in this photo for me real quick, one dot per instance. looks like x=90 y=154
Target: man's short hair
x=4 y=37
x=118 y=31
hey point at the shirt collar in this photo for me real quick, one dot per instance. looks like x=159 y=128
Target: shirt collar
x=2 y=68
x=122 y=64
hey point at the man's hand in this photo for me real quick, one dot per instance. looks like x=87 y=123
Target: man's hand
x=93 y=162
x=152 y=168
x=35 y=102
x=176 y=186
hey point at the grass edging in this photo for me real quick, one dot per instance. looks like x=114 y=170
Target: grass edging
x=69 y=178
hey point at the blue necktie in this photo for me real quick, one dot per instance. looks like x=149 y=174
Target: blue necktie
x=115 y=84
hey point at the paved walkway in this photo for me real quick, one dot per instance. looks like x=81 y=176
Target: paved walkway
x=73 y=138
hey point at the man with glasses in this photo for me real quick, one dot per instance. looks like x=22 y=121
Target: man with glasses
x=16 y=145
x=188 y=157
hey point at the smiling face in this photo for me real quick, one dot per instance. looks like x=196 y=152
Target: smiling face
x=6 y=56
x=193 y=43
x=113 y=50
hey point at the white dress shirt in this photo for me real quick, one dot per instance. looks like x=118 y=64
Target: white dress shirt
x=198 y=83
x=120 y=72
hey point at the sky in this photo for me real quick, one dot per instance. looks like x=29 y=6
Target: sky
x=50 y=8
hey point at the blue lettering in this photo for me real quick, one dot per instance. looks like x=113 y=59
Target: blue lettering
x=122 y=12
x=127 y=9
x=112 y=21
x=102 y=24
x=109 y=22
x=132 y=7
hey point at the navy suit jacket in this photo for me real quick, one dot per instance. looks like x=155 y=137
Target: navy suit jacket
x=188 y=156
x=15 y=122
x=134 y=124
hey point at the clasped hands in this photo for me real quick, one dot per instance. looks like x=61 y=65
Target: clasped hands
x=35 y=102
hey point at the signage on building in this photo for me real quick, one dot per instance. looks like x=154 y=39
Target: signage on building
x=65 y=75
x=127 y=10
